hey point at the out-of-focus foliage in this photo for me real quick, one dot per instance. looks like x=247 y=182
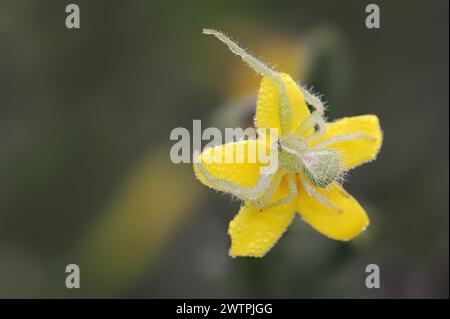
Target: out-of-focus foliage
x=155 y=200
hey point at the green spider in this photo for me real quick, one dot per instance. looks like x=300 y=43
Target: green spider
x=314 y=165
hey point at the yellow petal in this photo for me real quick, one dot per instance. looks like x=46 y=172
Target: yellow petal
x=345 y=224
x=358 y=151
x=253 y=232
x=246 y=172
x=268 y=104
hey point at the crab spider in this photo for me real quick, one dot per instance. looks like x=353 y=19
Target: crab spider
x=299 y=159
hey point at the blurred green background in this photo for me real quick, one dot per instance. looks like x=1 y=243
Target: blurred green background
x=85 y=118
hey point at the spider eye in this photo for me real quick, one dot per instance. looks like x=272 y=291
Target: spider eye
x=278 y=145
x=321 y=166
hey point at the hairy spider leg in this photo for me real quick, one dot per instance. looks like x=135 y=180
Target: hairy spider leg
x=262 y=69
x=248 y=194
x=343 y=138
x=292 y=193
x=315 y=119
x=320 y=198
x=313 y=100
x=264 y=200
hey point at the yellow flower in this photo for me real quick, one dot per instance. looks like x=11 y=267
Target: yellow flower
x=313 y=157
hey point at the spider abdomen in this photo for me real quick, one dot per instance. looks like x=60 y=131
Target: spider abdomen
x=321 y=167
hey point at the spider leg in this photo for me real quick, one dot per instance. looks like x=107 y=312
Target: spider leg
x=313 y=100
x=343 y=138
x=308 y=124
x=262 y=69
x=315 y=119
x=248 y=194
x=264 y=200
x=320 y=131
x=286 y=199
x=254 y=63
x=320 y=198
